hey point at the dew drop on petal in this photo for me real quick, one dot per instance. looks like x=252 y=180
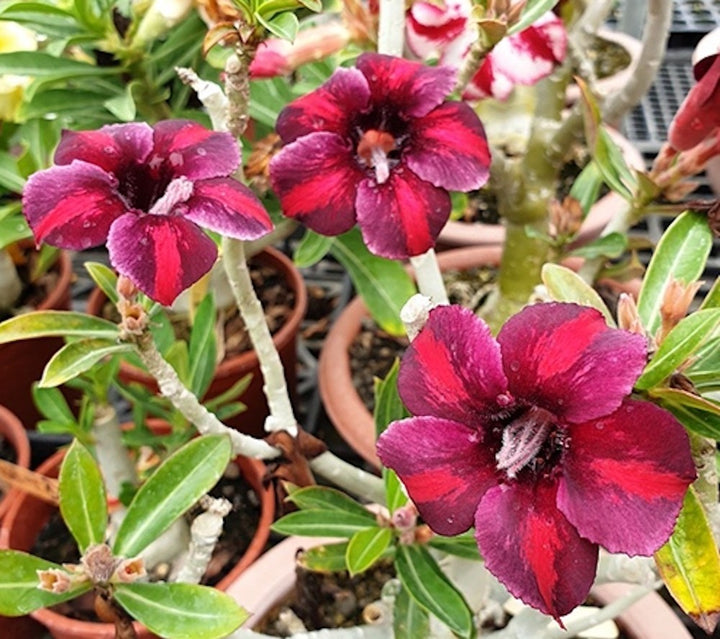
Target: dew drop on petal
x=201 y=151
x=143 y=241
x=176 y=159
x=514 y=366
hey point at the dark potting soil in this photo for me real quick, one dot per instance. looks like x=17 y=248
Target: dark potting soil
x=329 y=600
x=55 y=543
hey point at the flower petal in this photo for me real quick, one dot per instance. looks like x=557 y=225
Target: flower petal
x=452 y=369
x=316 y=180
x=625 y=477
x=444 y=467
x=72 y=206
x=488 y=83
x=699 y=113
x=403 y=216
x=531 y=548
x=332 y=107
x=186 y=148
x=112 y=147
x=448 y=148
x=162 y=255
x=408 y=88
x=226 y=206
x=442 y=32
x=565 y=359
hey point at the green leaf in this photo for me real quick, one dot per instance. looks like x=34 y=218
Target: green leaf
x=181 y=611
x=587 y=185
x=325 y=558
x=690 y=565
x=463 y=546
x=612 y=246
x=268 y=98
x=52 y=405
x=366 y=547
x=612 y=165
x=410 y=621
x=12 y=227
x=564 y=285
x=48 y=19
x=314 y=5
x=202 y=347
x=324 y=498
x=43 y=65
x=56 y=323
x=698 y=414
x=320 y=523
x=383 y=284
x=431 y=589
x=83 y=503
x=681 y=343
x=174 y=487
x=19 y=592
x=680 y=254
x=284 y=25
x=122 y=106
x=311 y=249
x=105 y=278
x=712 y=299
x=10 y=177
x=533 y=10
x=54 y=102
x=75 y=358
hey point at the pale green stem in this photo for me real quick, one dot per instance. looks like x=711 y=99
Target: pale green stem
x=429 y=278
x=391 y=29
x=281 y=413
x=115 y=464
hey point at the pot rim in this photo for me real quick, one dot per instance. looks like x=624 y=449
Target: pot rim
x=13 y=430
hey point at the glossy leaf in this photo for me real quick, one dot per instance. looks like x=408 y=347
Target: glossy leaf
x=431 y=589
x=52 y=404
x=366 y=547
x=83 y=503
x=324 y=498
x=56 y=323
x=681 y=343
x=383 y=284
x=105 y=278
x=43 y=65
x=680 y=254
x=181 y=611
x=10 y=177
x=565 y=285
x=611 y=246
x=49 y=19
x=689 y=564
x=19 y=592
x=324 y=558
x=697 y=414
x=587 y=185
x=463 y=545
x=613 y=166
x=174 y=487
x=533 y=10
x=202 y=347
x=77 y=357
x=311 y=249
x=712 y=299
x=410 y=621
x=321 y=523
x=283 y=25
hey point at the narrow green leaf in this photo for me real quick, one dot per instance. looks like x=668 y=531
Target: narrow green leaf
x=52 y=405
x=77 y=357
x=122 y=106
x=410 y=621
x=202 y=347
x=395 y=496
x=681 y=343
x=12 y=229
x=565 y=285
x=320 y=523
x=43 y=65
x=431 y=589
x=174 y=487
x=52 y=102
x=325 y=558
x=56 y=323
x=689 y=564
x=383 y=284
x=10 y=177
x=463 y=545
x=19 y=592
x=533 y=10
x=181 y=611
x=83 y=503
x=284 y=25
x=366 y=547
x=105 y=278
x=611 y=246
x=324 y=498
x=612 y=165
x=587 y=185
x=698 y=414
x=680 y=254
x=48 y=19
x=311 y=249
x=712 y=299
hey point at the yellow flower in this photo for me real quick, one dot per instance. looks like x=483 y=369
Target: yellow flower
x=13 y=37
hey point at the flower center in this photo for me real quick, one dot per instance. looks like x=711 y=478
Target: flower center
x=522 y=440
x=373 y=149
x=177 y=192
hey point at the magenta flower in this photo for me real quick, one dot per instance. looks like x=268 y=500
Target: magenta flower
x=532 y=439
x=146 y=192
x=380 y=146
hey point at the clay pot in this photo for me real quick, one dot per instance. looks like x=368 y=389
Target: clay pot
x=457 y=234
x=13 y=432
x=22 y=362
x=230 y=370
x=27 y=515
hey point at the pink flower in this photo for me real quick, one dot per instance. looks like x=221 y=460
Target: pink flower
x=146 y=192
x=380 y=146
x=532 y=439
x=523 y=58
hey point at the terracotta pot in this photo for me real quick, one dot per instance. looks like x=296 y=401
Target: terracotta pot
x=230 y=370
x=272 y=577
x=12 y=431
x=27 y=515
x=458 y=234
x=22 y=362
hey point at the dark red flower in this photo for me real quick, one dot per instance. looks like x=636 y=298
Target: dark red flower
x=380 y=146
x=532 y=439
x=146 y=192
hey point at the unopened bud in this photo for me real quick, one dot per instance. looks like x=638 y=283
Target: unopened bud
x=628 y=317
x=675 y=305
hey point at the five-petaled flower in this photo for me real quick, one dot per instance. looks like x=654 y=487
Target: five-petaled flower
x=532 y=439
x=146 y=192
x=380 y=146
